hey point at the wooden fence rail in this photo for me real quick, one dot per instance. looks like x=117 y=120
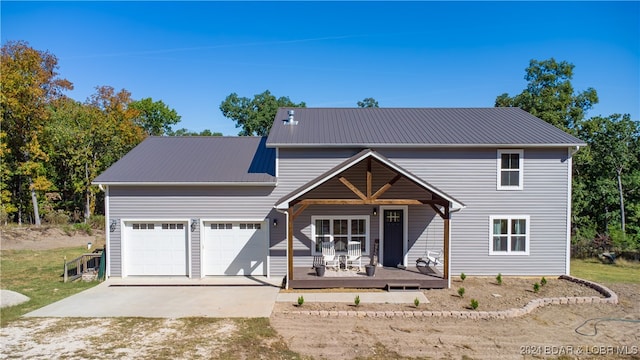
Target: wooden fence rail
x=75 y=268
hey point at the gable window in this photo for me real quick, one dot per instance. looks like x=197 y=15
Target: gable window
x=509 y=235
x=339 y=230
x=510 y=170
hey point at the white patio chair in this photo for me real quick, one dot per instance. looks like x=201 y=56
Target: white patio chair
x=329 y=257
x=434 y=257
x=354 y=254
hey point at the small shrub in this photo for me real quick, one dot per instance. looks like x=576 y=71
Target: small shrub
x=68 y=230
x=58 y=217
x=4 y=215
x=461 y=292
x=543 y=281
x=474 y=304
x=463 y=276
x=536 y=288
x=621 y=241
x=587 y=243
x=97 y=222
x=416 y=302
x=86 y=228
x=357 y=300
x=300 y=300
x=499 y=279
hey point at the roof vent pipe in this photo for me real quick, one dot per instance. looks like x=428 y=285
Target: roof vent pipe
x=291 y=120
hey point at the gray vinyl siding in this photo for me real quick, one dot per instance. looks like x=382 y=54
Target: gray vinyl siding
x=183 y=202
x=299 y=166
x=426 y=232
x=114 y=251
x=196 y=256
x=469 y=175
x=278 y=245
x=296 y=167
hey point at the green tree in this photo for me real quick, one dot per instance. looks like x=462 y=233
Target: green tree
x=255 y=116
x=608 y=171
x=187 y=132
x=368 y=103
x=83 y=139
x=7 y=206
x=115 y=130
x=30 y=84
x=155 y=118
x=118 y=123
x=72 y=134
x=550 y=96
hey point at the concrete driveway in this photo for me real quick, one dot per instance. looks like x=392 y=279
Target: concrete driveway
x=170 y=298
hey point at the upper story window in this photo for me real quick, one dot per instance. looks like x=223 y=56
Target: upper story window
x=510 y=169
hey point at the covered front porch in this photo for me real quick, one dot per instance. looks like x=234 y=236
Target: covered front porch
x=371 y=192
x=387 y=278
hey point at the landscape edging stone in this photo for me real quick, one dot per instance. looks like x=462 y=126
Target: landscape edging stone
x=610 y=297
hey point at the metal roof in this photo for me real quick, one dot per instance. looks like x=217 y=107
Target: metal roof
x=283 y=202
x=415 y=127
x=195 y=160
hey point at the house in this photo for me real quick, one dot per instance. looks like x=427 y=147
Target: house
x=491 y=187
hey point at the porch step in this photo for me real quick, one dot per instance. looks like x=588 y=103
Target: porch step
x=402 y=286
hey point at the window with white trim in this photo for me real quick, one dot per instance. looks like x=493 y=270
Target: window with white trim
x=509 y=235
x=510 y=170
x=339 y=230
x=226 y=226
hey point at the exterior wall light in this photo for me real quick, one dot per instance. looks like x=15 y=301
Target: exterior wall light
x=375 y=211
x=113 y=224
x=275 y=222
x=194 y=224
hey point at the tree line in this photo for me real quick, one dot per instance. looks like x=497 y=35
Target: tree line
x=52 y=146
x=606 y=173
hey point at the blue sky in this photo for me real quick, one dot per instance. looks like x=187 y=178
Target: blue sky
x=332 y=54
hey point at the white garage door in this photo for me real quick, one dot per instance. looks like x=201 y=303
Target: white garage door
x=155 y=248
x=235 y=248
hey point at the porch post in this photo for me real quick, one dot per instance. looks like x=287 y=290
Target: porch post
x=289 y=244
x=446 y=242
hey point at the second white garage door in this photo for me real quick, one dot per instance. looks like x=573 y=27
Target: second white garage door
x=235 y=248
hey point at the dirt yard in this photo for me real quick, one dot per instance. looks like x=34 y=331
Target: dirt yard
x=552 y=331
x=46 y=238
x=547 y=332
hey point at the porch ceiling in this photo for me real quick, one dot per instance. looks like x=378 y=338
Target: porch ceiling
x=367 y=178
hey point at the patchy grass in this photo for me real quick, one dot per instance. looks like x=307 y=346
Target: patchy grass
x=592 y=269
x=380 y=352
x=256 y=339
x=38 y=275
x=145 y=338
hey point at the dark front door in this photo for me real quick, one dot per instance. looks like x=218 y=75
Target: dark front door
x=393 y=237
